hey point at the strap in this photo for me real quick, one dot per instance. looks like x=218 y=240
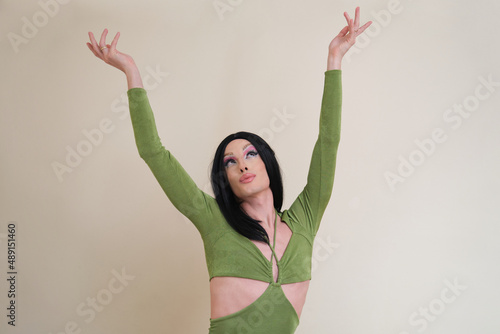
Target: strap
x=274 y=242
x=274 y=245
x=275 y=220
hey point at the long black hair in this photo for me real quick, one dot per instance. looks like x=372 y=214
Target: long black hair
x=228 y=203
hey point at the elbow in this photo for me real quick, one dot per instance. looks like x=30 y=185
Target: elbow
x=148 y=154
x=144 y=156
x=144 y=153
x=334 y=140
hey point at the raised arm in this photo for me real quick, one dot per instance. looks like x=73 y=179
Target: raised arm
x=174 y=180
x=313 y=200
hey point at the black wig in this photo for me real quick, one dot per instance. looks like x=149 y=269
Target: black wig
x=226 y=199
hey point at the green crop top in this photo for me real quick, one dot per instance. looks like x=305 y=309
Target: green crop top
x=227 y=252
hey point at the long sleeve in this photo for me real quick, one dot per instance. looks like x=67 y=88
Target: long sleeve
x=179 y=187
x=313 y=200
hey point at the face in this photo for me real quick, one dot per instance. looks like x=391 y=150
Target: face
x=245 y=170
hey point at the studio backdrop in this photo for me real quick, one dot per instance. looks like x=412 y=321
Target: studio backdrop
x=409 y=243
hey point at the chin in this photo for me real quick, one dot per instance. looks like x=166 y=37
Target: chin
x=252 y=192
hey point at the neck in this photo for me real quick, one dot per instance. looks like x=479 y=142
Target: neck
x=261 y=207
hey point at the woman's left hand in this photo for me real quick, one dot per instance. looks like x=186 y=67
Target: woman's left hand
x=346 y=38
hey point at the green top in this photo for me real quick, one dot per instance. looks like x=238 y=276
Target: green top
x=227 y=252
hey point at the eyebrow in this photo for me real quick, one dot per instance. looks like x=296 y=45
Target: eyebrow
x=244 y=148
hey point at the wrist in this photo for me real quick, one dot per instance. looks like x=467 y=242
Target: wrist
x=334 y=62
x=130 y=68
x=133 y=77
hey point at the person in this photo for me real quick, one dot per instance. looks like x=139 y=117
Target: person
x=255 y=286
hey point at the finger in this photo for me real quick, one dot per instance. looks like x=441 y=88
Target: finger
x=347 y=17
x=356 y=17
x=91 y=49
x=115 y=41
x=363 y=28
x=94 y=42
x=102 y=42
x=344 y=31
x=91 y=37
x=96 y=53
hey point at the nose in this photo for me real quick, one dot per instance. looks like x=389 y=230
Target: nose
x=241 y=170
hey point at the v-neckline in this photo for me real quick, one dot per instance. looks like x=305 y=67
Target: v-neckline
x=274 y=237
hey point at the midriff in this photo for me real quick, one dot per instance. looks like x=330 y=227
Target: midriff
x=231 y=294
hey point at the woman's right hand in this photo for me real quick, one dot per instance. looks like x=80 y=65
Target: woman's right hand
x=109 y=54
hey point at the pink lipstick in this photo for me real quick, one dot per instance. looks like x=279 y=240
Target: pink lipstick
x=247 y=177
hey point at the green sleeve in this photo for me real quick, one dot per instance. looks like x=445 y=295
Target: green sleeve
x=310 y=205
x=181 y=190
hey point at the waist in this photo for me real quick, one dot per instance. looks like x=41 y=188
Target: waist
x=232 y=294
x=271 y=312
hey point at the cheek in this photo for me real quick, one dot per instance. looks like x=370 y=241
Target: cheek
x=233 y=179
x=232 y=176
x=261 y=169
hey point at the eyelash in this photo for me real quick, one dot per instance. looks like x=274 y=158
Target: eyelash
x=227 y=162
x=253 y=152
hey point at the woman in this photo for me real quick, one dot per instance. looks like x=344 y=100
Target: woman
x=255 y=286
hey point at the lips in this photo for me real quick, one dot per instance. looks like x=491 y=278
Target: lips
x=247 y=177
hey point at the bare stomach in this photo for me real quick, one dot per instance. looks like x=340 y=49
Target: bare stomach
x=231 y=294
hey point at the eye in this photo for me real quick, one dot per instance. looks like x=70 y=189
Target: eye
x=229 y=162
x=252 y=153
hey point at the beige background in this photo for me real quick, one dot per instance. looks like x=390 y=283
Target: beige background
x=382 y=256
